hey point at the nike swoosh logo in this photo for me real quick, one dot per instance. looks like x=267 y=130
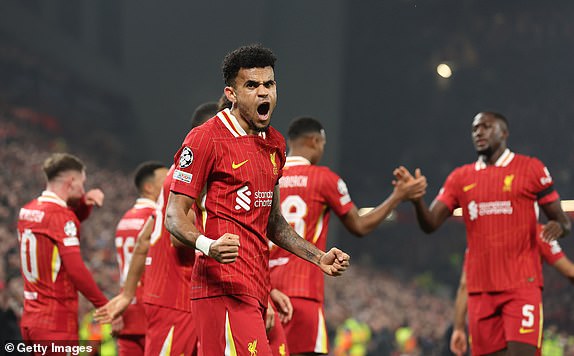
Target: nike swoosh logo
x=526 y=331
x=466 y=188
x=235 y=166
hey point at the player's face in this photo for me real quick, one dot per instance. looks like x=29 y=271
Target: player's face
x=254 y=96
x=488 y=134
x=76 y=182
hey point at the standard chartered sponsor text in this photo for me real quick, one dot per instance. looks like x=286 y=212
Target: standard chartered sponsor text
x=495 y=208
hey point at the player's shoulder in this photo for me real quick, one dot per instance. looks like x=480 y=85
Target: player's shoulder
x=129 y=213
x=526 y=158
x=465 y=169
x=529 y=163
x=56 y=210
x=323 y=170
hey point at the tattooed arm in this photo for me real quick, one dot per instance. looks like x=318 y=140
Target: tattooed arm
x=332 y=263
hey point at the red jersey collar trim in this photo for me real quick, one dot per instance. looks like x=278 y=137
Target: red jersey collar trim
x=502 y=161
x=51 y=197
x=297 y=161
x=232 y=124
x=142 y=203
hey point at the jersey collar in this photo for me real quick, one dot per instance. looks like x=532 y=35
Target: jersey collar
x=232 y=124
x=296 y=161
x=142 y=203
x=504 y=160
x=51 y=197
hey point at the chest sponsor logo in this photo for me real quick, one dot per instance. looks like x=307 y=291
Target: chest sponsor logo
x=489 y=208
x=237 y=165
x=507 y=186
x=245 y=197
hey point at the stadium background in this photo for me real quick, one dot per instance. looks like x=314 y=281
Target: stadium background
x=116 y=82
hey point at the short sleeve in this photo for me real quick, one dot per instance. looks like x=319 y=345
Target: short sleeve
x=65 y=229
x=335 y=192
x=541 y=183
x=448 y=192
x=193 y=163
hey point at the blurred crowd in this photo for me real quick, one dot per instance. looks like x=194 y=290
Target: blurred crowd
x=24 y=144
x=393 y=313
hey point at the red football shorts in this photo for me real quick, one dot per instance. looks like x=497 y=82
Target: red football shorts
x=306 y=331
x=494 y=319
x=44 y=337
x=169 y=331
x=277 y=339
x=231 y=325
x=131 y=345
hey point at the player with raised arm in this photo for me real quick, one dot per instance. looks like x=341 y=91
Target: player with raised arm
x=239 y=159
x=308 y=195
x=170 y=327
x=149 y=178
x=499 y=195
x=52 y=265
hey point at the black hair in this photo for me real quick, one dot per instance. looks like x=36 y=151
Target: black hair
x=251 y=56
x=497 y=116
x=203 y=113
x=303 y=125
x=61 y=162
x=146 y=171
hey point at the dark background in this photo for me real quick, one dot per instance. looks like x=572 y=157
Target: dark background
x=128 y=74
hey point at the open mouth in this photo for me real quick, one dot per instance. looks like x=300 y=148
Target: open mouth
x=263 y=110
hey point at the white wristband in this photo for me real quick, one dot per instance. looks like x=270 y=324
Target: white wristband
x=203 y=243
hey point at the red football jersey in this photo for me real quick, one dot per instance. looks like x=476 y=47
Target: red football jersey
x=127 y=233
x=168 y=269
x=239 y=172
x=308 y=194
x=499 y=205
x=48 y=231
x=550 y=252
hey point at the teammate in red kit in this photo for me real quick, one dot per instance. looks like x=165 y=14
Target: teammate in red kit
x=149 y=178
x=170 y=325
x=308 y=195
x=52 y=266
x=550 y=252
x=499 y=195
x=238 y=159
